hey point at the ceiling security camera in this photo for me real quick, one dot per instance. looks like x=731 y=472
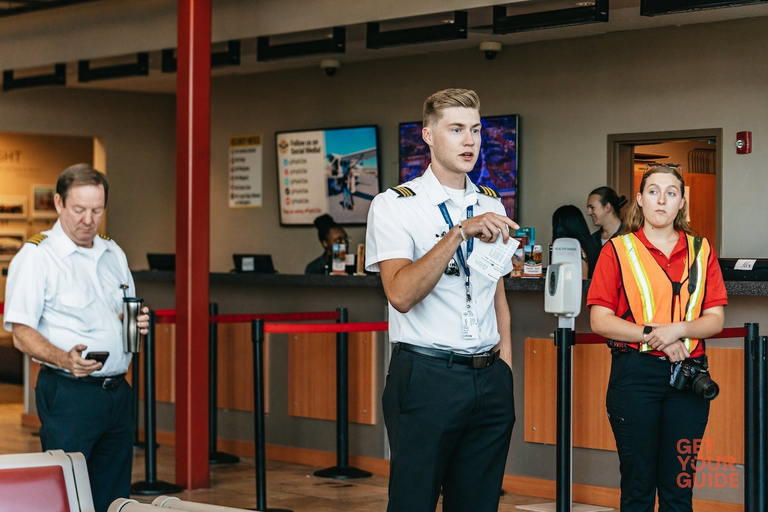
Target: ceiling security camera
x=330 y=66
x=490 y=49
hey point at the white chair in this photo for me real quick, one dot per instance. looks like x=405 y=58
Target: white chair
x=126 y=505
x=167 y=502
x=175 y=503
x=52 y=481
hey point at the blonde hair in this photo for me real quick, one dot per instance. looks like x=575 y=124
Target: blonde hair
x=634 y=218
x=448 y=98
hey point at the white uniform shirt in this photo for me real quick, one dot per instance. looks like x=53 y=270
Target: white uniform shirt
x=71 y=295
x=408 y=227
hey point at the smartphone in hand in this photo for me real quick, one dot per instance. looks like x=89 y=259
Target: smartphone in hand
x=101 y=357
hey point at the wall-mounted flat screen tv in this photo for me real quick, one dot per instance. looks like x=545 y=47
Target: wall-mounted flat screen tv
x=333 y=171
x=496 y=166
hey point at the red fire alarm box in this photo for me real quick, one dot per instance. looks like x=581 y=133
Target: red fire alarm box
x=743 y=143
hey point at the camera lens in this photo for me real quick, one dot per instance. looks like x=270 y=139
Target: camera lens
x=705 y=387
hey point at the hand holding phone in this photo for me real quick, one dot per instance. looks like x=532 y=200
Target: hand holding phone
x=100 y=357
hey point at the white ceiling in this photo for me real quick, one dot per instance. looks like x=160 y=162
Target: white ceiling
x=624 y=15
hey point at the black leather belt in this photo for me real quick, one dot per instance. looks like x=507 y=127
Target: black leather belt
x=111 y=382
x=474 y=361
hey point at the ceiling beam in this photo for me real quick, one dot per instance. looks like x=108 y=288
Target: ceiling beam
x=457 y=29
x=503 y=24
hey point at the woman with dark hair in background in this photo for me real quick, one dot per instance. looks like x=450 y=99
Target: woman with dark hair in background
x=656 y=294
x=604 y=207
x=329 y=233
x=568 y=222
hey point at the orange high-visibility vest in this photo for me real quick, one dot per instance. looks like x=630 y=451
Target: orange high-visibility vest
x=652 y=296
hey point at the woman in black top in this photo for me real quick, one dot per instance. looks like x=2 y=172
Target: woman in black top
x=568 y=222
x=329 y=233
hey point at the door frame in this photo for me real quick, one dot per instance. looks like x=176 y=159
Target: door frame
x=621 y=162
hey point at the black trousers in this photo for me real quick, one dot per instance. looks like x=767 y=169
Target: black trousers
x=82 y=417
x=449 y=427
x=654 y=425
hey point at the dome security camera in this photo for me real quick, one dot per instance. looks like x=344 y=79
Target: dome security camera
x=490 y=49
x=330 y=66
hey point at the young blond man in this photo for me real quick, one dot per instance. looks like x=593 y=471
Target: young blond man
x=448 y=402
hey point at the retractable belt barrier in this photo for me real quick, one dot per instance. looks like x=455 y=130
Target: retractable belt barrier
x=755 y=412
x=259 y=328
x=151 y=486
x=168 y=316
x=214 y=455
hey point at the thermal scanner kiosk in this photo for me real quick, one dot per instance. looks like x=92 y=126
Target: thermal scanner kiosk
x=562 y=297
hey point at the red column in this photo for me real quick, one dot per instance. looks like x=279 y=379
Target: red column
x=193 y=135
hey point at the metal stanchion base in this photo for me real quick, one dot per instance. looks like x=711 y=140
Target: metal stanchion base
x=141 y=445
x=222 y=458
x=272 y=509
x=342 y=473
x=551 y=507
x=153 y=488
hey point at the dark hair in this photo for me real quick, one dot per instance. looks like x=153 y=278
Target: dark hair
x=635 y=218
x=609 y=196
x=324 y=225
x=568 y=222
x=78 y=175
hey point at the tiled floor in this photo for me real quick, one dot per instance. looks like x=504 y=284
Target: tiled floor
x=289 y=486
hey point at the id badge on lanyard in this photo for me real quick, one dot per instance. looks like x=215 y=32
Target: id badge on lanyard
x=469 y=327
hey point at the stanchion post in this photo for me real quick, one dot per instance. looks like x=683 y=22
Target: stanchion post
x=342 y=470
x=564 y=340
x=151 y=485
x=342 y=393
x=761 y=426
x=135 y=378
x=750 y=345
x=257 y=337
x=214 y=455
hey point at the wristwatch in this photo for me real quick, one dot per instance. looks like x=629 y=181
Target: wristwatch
x=647 y=330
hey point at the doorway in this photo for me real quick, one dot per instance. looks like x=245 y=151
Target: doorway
x=698 y=153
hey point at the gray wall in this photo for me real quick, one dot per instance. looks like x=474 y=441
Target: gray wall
x=570 y=95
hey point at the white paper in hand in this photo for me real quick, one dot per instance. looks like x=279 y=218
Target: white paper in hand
x=493 y=260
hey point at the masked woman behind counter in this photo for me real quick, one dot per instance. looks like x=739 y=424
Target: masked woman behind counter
x=568 y=222
x=656 y=293
x=329 y=233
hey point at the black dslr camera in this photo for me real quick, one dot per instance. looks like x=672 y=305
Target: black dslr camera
x=694 y=374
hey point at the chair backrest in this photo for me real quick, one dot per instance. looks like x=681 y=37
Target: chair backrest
x=126 y=505
x=51 y=481
x=175 y=503
x=167 y=502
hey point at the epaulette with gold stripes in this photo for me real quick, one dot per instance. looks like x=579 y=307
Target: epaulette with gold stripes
x=403 y=191
x=105 y=237
x=488 y=191
x=36 y=239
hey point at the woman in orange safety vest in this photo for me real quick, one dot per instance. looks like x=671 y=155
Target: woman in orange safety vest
x=656 y=293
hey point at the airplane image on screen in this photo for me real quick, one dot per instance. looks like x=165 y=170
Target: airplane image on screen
x=343 y=171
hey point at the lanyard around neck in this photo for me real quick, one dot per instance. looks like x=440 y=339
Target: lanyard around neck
x=470 y=242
